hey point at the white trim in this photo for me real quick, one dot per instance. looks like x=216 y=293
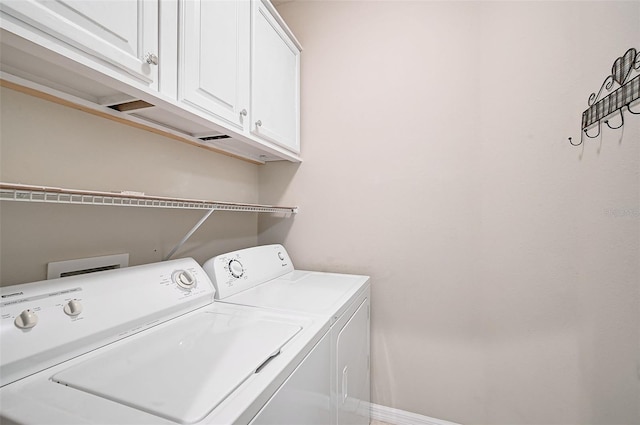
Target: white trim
x=401 y=417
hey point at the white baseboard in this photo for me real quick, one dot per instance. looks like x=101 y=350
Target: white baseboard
x=401 y=417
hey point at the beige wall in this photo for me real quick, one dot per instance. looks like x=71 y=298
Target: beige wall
x=46 y=144
x=504 y=262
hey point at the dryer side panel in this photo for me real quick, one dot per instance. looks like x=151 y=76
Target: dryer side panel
x=352 y=361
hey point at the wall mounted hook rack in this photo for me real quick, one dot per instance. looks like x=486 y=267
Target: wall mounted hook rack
x=623 y=89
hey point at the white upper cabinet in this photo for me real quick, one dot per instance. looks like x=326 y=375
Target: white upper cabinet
x=275 y=80
x=214 y=58
x=220 y=74
x=122 y=33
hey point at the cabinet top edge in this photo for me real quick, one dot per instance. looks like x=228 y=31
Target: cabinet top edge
x=272 y=9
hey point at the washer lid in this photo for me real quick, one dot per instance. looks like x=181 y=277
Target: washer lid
x=184 y=369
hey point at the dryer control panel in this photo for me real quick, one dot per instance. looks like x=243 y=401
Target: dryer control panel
x=240 y=270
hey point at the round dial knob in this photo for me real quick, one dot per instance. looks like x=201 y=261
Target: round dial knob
x=26 y=320
x=184 y=279
x=236 y=268
x=73 y=308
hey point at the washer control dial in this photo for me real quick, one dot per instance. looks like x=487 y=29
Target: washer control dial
x=184 y=279
x=236 y=268
x=73 y=308
x=26 y=320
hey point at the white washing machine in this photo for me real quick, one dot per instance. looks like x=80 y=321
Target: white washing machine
x=148 y=344
x=265 y=277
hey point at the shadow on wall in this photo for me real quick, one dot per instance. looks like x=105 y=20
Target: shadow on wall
x=273 y=229
x=275 y=179
x=382 y=357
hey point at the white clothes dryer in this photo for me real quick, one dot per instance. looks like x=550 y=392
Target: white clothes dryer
x=149 y=345
x=265 y=277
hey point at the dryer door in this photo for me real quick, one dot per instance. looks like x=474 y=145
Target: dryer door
x=353 y=368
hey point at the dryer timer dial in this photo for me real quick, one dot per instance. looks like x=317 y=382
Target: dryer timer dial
x=236 y=268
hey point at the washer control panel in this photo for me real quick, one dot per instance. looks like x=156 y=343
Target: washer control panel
x=240 y=270
x=51 y=319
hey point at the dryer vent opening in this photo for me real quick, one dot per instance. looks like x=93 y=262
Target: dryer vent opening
x=86 y=265
x=92 y=270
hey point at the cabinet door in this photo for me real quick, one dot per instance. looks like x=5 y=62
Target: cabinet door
x=123 y=33
x=352 y=361
x=214 y=57
x=275 y=81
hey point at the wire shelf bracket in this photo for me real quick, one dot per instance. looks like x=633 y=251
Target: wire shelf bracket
x=189 y=233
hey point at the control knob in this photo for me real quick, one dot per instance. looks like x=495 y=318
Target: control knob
x=26 y=320
x=184 y=279
x=236 y=268
x=73 y=308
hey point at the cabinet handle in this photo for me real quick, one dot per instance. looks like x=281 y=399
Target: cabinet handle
x=243 y=112
x=258 y=123
x=151 y=59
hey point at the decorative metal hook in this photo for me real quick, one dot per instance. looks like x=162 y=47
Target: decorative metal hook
x=621 y=123
x=586 y=132
x=629 y=109
x=575 y=144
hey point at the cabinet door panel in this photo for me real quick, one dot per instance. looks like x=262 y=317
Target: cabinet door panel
x=120 y=32
x=275 y=82
x=214 y=70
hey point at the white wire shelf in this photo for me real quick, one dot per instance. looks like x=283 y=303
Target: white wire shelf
x=29 y=193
